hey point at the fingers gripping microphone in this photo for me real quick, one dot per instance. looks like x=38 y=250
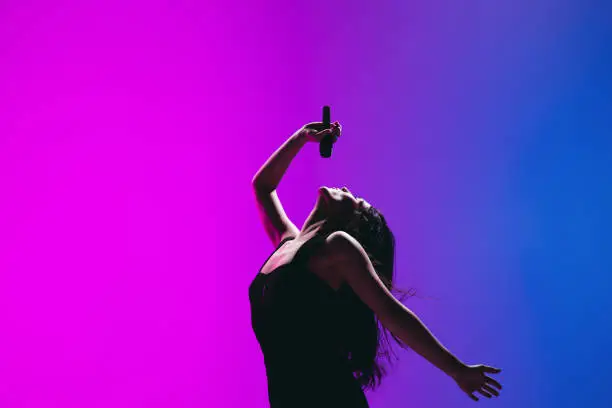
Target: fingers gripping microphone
x=325 y=146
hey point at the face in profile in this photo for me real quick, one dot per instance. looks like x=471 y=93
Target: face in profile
x=339 y=204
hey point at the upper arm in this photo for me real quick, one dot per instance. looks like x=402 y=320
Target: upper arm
x=356 y=269
x=276 y=223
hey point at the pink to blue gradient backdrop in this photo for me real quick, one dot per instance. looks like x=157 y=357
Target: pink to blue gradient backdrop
x=130 y=131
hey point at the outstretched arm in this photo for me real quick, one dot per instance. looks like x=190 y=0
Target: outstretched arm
x=359 y=273
x=356 y=269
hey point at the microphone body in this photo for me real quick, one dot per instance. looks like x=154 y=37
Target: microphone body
x=325 y=146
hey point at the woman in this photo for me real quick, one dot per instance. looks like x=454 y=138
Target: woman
x=317 y=300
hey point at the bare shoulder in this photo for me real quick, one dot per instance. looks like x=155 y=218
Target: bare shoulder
x=355 y=268
x=341 y=246
x=344 y=253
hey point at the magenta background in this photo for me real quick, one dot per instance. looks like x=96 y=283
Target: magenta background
x=130 y=132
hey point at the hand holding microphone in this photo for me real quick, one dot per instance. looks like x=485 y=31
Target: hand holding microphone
x=324 y=133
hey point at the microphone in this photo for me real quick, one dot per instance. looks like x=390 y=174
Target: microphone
x=325 y=146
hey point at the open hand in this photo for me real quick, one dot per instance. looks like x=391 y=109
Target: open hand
x=473 y=379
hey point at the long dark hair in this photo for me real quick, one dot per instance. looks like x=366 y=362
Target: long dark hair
x=366 y=340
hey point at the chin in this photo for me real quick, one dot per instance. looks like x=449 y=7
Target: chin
x=325 y=191
x=325 y=194
x=323 y=199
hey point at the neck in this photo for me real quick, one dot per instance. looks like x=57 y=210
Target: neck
x=314 y=222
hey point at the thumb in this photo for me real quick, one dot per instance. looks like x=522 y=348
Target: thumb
x=488 y=369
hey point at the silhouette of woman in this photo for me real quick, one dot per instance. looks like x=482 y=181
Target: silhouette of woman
x=321 y=304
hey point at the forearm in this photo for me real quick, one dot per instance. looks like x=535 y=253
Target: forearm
x=413 y=332
x=273 y=170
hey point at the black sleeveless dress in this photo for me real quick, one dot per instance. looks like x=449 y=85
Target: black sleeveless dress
x=295 y=316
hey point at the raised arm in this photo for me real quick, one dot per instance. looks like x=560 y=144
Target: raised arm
x=276 y=223
x=358 y=272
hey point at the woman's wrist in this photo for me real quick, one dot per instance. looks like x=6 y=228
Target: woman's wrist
x=453 y=367
x=300 y=137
